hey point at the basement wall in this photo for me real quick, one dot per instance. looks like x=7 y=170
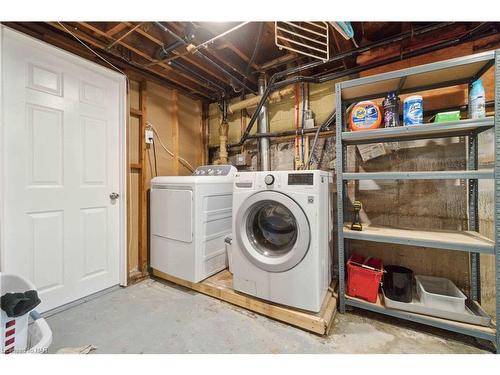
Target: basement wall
x=417 y=204
x=178 y=120
x=281 y=114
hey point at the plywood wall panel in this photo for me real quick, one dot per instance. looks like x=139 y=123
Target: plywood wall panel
x=133 y=136
x=134 y=94
x=160 y=105
x=190 y=132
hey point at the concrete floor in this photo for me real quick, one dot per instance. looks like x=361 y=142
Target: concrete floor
x=157 y=317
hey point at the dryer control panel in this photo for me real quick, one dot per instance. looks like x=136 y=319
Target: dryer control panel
x=213 y=170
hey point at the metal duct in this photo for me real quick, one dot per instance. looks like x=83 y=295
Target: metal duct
x=265 y=160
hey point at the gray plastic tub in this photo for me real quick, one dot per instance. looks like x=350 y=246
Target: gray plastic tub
x=473 y=313
x=440 y=293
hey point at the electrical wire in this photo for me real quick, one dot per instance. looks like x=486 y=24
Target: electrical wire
x=254 y=54
x=181 y=159
x=91 y=50
x=154 y=155
x=150 y=163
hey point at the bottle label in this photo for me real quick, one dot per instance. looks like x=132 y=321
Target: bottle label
x=478 y=107
x=364 y=117
x=413 y=112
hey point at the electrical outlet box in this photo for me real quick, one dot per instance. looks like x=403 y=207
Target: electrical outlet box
x=243 y=159
x=308 y=123
x=308 y=119
x=148 y=136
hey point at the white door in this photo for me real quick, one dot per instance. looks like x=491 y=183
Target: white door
x=61 y=147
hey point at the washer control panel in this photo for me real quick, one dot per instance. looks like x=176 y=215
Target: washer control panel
x=213 y=170
x=300 y=179
x=269 y=179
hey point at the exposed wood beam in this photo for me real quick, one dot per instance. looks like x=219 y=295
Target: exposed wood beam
x=232 y=47
x=124 y=35
x=143 y=183
x=116 y=29
x=337 y=45
x=234 y=68
x=136 y=51
x=241 y=54
x=277 y=61
x=186 y=56
x=178 y=29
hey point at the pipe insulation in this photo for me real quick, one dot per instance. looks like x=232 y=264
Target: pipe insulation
x=254 y=100
x=265 y=159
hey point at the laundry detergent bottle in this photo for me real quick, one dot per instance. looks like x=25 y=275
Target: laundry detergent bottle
x=477 y=102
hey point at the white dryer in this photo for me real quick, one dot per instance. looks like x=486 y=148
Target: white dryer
x=282 y=229
x=190 y=217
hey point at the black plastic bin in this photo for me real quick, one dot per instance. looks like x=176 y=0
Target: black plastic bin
x=398 y=283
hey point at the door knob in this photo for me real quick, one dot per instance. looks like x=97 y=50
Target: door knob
x=114 y=196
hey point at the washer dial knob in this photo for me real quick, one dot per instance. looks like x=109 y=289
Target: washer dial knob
x=269 y=179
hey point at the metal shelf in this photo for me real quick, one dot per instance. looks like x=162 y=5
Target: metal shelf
x=426 y=131
x=450 y=240
x=463 y=70
x=451 y=72
x=431 y=175
x=485 y=333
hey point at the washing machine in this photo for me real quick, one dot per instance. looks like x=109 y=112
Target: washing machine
x=282 y=236
x=190 y=217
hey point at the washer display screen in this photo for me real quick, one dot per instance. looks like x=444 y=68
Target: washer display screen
x=272 y=228
x=300 y=179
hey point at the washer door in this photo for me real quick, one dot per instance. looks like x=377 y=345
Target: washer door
x=272 y=231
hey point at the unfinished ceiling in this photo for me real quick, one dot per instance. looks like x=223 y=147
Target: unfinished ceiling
x=176 y=53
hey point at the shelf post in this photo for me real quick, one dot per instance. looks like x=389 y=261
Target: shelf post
x=497 y=195
x=473 y=222
x=339 y=166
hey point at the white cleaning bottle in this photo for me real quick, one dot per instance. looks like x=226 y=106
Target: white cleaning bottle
x=477 y=102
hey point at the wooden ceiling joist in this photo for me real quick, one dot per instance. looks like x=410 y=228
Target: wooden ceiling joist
x=97 y=44
x=178 y=29
x=132 y=29
x=187 y=57
x=116 y=29
x=169 y=71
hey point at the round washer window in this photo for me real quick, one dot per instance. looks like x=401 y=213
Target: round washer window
x=271 y=228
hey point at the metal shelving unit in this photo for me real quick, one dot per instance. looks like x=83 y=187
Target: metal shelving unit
x=463 y=70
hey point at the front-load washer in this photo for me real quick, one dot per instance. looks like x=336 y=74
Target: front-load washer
x=282 y=228
x=190 y=218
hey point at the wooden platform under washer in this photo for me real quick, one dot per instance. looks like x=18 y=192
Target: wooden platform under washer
x=220 y=286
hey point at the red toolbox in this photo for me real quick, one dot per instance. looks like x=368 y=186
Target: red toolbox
x=363 y=277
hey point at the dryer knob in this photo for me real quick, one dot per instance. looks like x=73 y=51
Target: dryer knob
x=269 y=179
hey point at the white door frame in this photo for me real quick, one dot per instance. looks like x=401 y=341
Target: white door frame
x=123 y=113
